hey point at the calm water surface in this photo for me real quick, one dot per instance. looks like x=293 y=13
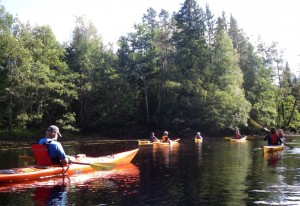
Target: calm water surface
x=215 y=172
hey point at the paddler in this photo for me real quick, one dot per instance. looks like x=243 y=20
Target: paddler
x=237 y=134
x=165 y=137
x=273 y=138
x=55 y=149
x=198 y=136
x=281 y=135
x=152 y=137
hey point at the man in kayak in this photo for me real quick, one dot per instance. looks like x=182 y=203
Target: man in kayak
x=273 y=138
x=55 y=149
x=152 y=137
x=165 y=137
x=198 y=136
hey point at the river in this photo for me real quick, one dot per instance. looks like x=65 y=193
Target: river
x=214 y=172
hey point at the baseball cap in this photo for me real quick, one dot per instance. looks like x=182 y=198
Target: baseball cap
x=55 y=129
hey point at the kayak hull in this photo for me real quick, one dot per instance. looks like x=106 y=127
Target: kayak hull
x=171 y=142
x=198 y=140
x=39 y=172
x=128 y=171
x=271 y=148
x=238 y=140
x=147 y=142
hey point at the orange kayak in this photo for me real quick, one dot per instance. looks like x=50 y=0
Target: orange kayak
x=37 y=172
x=130 y=172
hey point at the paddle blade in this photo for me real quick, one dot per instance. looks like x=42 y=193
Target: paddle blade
x=103 y=166
x=255 y=124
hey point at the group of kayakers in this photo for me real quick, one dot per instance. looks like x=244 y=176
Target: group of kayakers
x=165 y=137
x=58 y=155
x=273 y=137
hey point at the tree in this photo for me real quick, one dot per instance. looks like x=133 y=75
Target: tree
x=139 y=56
x=226 y=96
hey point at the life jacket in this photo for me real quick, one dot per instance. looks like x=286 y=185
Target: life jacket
x=41 y=155
x=274 y=138
x=164 y=138
x=281 y=135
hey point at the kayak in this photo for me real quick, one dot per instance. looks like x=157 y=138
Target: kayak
x=144 y=142
x=273 y=148
x=80 y=167
x=130 y=172
x=147 y=142
x=171 y=142
x=197 y=140
x=238 y=140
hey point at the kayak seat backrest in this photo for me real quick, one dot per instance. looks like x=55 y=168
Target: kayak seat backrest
x=41 y=155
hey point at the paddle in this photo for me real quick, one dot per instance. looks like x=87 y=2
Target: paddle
x=102 y=166
x=261 y=127
x=258 y=125
x=285 y=144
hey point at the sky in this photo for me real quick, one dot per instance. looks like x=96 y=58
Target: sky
x=273 y=20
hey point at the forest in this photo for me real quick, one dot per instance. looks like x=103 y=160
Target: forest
x=186 y=71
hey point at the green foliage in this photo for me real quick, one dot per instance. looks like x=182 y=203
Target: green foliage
x=189 y=70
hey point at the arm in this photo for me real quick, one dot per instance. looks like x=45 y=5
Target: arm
x=61 y=154
x=279 y=139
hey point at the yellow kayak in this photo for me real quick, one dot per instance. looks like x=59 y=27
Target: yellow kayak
x=144 y=142
x=147 y=142
x=238 y=140
x=171 y=142
x=273 y=148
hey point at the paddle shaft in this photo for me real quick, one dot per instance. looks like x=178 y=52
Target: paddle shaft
x=285 y=144
x=101 y=166
x=98 y=166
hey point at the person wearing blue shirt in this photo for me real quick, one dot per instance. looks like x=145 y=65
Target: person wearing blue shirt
x=152 y=137
x=55 y=149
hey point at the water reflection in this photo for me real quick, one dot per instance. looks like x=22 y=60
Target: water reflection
x=123 y=179
x=214 y=172
x=166 y=154
x=56 y=195
x=272 y=159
